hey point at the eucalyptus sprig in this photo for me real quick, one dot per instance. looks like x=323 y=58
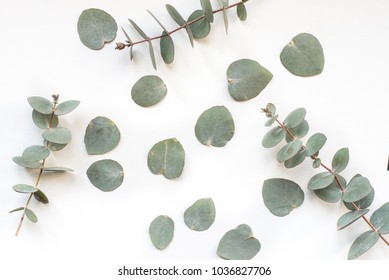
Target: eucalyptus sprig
x=45 y=116
x=197 y=26
x=357 y=195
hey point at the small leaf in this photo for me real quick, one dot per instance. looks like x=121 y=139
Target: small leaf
x=31 y=215
x=340 y=160
x=295 y=118
x=215 y=127
x=350 y=217
x=357 y=189
x=167 y=158
x=315 y=143
x=201 y=28
x=271 y=121
x=161 y=231
x=298 y=132
x=201 y=215
x=239 y=244
x=57 y=169
x=40 y=104
x=167 y=48
x=101 y=136
x=270 y=110
x=207 y=8
x=241 y=11
x=54 y=146
x=160 y=24
x=148 y=91
x=96 y=28
x=316 y=163
x=332 y=193
x=22 y=188
x=66 y=107
x=273 y=137
x=380 y=219
x=152 y=55
x=21 y=162
x=58 y=135
x=106 y=175
x=16 y=210
x=303 y=56
x=41 y=197
x=35 y=153
x=190 y=35
x=296 y=160
x=362 y=203
x=321 y=181
x=289 y=151
x=175 y=15
x=246 y=79
x=225 y=20
x=362 y=244
x=44 y=121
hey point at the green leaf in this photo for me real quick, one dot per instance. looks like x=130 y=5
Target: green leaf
x=362 y=203
x=303 y=56
x=215 y=127
x=207 y=8
x=350 y=217
x=167 y=48
x=273 y=137
x=58 y=135
x=201 y=215
x=296 y=160
x=57 y=169
x=320 y=181
x=271 y=121
x=35 y=153
x=332 y=193
x=96 y=28
x=167 y=158
x=223 y=3
x=295 y=118
x=40 y=104
x=190 y=34
x=101 y=136
x=22 y=188
x=31 y=215
x=160 y=24
x=380 y=219
x=241 y=11
x=340 y=160
x=316 y=163
x=161 y=231
x=298 y=132
x=66 y=107
x=43 y=121
x=16 y=210
x=281 y=196
x=239 y=244
x=148 y=91
x=246 y=79
x=270 y=110
x=362 y=244
x=315 y=143
x=175 y=15
x=54 y=146
x=22 y=162
x=106 y=175
x=357 y=189
x=289 y=151
x=152 y=55
x=131 y=42
x=201 y=28
x=41 y=197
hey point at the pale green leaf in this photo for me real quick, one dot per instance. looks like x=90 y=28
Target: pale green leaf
x=357 y=189
x=152 y=55
x=54 y=146
x=321 y=181
x=298 y=132
x=44 y=121
x=16 y=210
x=271 y=120
x=295 y=118
x=31 y=215
x=362 y=203
x=167 y=48
x=340 y=160
x=296 y=160
x=22 y=188
x=315 y=143
x=316 y=163
x=350 y=217
x=270 y=110
x=148 y=91
x=289 y=151
x=66 y=107
x=362 y=244
x=333 y=192
x=201 y=28
x=106 y=175
x=58 y=135
x=57 y=169
x=273 y=137
x=35 y=153
x=157 y=20
x=175 y=15
x=241 y=11
x=41 y=197
x=27 y=164
x=201 y=215
x=161 y=231
x=380 y=219
x=207 y=8
x=40 y=104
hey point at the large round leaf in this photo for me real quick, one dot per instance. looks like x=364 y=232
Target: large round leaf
x=161 y=231
x=148 y=91
x=246 y=79
x=106 y=175
x=58 y=135
x=201 y=28
x=201 y=215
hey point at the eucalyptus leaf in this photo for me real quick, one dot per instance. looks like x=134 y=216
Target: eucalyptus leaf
x=362 y=203
x=44 y=121
x=357 y=189
x=35 y=153
x=362 y=244
x=101 y=136
x=298 y=132
x=225 y=20
x=380 y=219
x=315 y=143
x=316 y=163
x=246 y=79
x=223 y=3
x=57 y=169
x=332 y=193
x=207 y=8
x=161 y=231
x=148 y=91
x=96 y=28
x=239 y=244
x=66 y=107
x=167 y=48
x=190 y=35
x=340 y=160
x=241 y=12
x=296 y=160
x=41 y=104
x=152 y=55
x=17 y=210
x=54 y=146
x=321 y=181
x=22 y=188
x=201 y=215
x=215 y=127
x=58 y=135
x=106 y=175
x=271 y=120
x=270 y=110
x=41 y=197
x=31 y=215
x=201 y=28
x=295 y=118
x=350 y=217
x=273 y=137
x=175 y=15
x=27 y=164
x=281 y=196
x=289 y=151
x=167 y=158
x=157 y=20
x=303 y=56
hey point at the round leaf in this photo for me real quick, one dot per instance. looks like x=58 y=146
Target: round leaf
x=41 y=197
x=148 y=91
x=273 y=137
x=331 y=193
x=380 y=219
x=40 y=104
x=167 y=158
x=201 y=28
x=315 y=143
x=340 y=160
x=44 y=121
x=35 y=153
x=66 y=107
x=58 y=135
x=296 y=160
x=22 y=188
x=289 y=151
x=95 y=28
x=362 y=244
x=27 y=164
x=161 y=231
x=101 y=136
x=281 y=196
x=321 y=181
x=362 y=203
x=271 y=120
x=295 y=118
x=106 y=175
x=54 y=146
x=215 y=127
x=238 y=244
x=350 y=217
x=298 y=132
x=201 y=215
x=241 y=11
x=167 y=48
x=246 y=79
x=357 y=189
x=31 y=216
x=303 y=56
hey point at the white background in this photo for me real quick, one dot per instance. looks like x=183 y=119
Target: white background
x=87 y=230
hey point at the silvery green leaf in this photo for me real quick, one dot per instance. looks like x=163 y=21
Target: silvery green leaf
x=321 y=181
x=201 y=28
x=40 y=104
x=316 y=163
x=167 y=158
x=41 y=197
x=298 y=132
x=175 y=15
x=96 y=28
x=296 y=160
x=357 y=189
x=350 y=217
x=270 y=110
x=161 y=231
x=289 y=150
x=16 y=210
x=101 y=136
x=35 y=153
x=215 y=127
x=207 y=8
x=315 y=143
x=44 y=121
x=131 y=42
x=241 y=11
x=167 y=48
x=152 y=55
x=362 y=203
x=106 y=175
x=157 y=20
x=295 y=118
x=148 y=91
x=190 y=35
x=332 y=193
x=225 y=19
x=58 y=135
x=22 y=188
x=362 y=244
x=281 y=196
x=239 y=244
x=54 y=146
x=246 y=79
x=303 y=56
x=66 y=107
x=201 y=215
x=271 y=120
x=340 y=160
x=380 y=219
x=22 y=162
x=223 y=3
x=31 y=215
x=57 y=169
x=273 y=137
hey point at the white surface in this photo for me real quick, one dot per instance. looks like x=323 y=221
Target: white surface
x=41 y=54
